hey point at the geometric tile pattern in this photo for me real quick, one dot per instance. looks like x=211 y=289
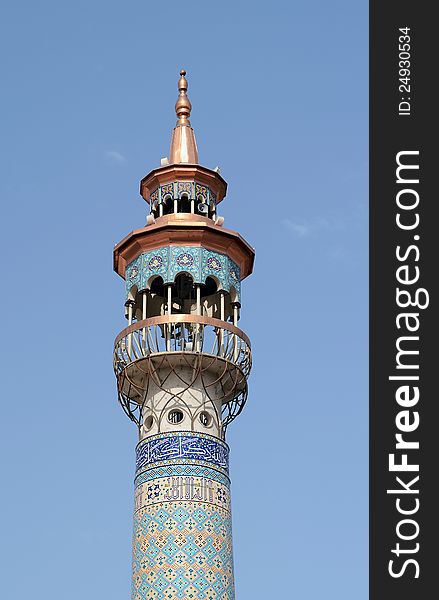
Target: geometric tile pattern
x=180 y=470
x=182 y=550
x=183 y=445
x=166 y=467
x=169 y=261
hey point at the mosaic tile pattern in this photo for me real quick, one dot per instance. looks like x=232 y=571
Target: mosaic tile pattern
x=176 y=189
x=185 y=187
x=154 y=197
x=169 y=261
x=180 y=463
x=184 y=259
x=182 y=541
x=180 y=470
x=201 y=190
x=182 y=550
x=183 y=445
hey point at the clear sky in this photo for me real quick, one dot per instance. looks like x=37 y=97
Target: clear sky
x=279 y=95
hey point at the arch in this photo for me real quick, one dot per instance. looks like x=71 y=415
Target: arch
x=234 y=296
x=132 y=293
x=183 y=272
x=156 y=297
x=184 y=203
x=212 y=209
x=211 y=285
x=200 y=200
x=156 y=285
x=168 y=204
x=220 y=286
x=183 y=289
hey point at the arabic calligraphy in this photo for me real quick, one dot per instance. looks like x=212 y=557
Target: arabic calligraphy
x=183 y=446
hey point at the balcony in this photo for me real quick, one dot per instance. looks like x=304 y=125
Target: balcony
x=214 y=350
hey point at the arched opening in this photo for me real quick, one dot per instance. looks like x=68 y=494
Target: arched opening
x=130 y=305
x=212 y=210
x=156 y=297
x=157 y=287
x=217 y=302
x=183 y=294
x=235 y=306
x=184 y=204
x=201 y=207
x=209 y=297
x=209 y=288
x=168 y=205
x=132 y=293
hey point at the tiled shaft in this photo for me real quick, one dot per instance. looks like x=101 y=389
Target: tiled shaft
x=182 y=546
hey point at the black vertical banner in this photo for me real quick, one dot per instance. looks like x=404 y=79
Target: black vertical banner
x=404 y=324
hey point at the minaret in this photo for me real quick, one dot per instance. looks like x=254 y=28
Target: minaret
x=182 y=366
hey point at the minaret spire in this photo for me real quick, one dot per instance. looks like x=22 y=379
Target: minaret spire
x=183 y=144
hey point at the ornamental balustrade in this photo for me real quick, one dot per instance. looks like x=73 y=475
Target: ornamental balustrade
x=182 y=333
x=204 y=344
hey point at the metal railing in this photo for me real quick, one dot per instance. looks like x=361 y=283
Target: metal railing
x=182 y=333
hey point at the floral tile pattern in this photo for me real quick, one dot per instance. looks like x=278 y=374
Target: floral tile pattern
x=169 y=261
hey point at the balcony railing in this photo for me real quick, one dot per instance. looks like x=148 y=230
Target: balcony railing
x=182 y=333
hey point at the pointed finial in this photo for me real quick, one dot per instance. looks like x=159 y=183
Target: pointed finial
x=183 y=144
x=183 y=105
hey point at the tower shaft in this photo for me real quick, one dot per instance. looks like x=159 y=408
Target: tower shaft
x=182 y=544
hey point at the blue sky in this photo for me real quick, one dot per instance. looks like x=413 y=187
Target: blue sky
x=279 y=94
